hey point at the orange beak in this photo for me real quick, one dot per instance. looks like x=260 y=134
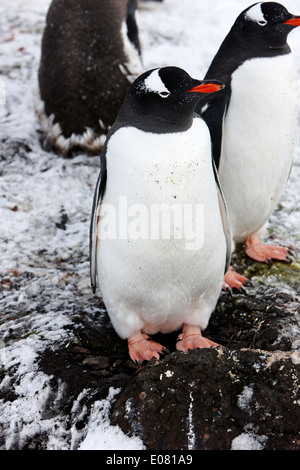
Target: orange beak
x=207 y=87
x=295 y=21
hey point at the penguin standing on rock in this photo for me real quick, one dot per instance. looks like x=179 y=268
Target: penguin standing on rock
x=90 y=55
x=253 y=123
x=159 y=237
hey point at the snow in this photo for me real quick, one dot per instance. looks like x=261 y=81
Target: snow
x=191 y=437
x=245 y=397
x=101 y=436
x=38 y=189
x=249 y=441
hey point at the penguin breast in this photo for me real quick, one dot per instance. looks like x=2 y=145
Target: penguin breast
x=259 y=138
x=168 y=252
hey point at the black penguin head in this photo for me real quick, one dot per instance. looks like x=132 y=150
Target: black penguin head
x=265 y=24
x=164 y=99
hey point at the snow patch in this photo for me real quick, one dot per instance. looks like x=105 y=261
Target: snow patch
x=101 y=435
x=244 y=399
x=191 y=437
x=249 y=441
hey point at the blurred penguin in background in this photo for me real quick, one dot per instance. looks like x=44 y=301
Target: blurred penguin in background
x=90 y=55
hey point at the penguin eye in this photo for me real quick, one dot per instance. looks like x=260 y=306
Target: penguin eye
x=262 y=22
x=164 y=94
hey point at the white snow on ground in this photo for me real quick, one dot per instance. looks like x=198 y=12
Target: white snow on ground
x=100 y=435
x=249 y=440
x=38 y=187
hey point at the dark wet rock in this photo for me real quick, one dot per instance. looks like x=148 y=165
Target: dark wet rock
x=205 y=399
x=96 y=359
x=63 y=220
x=13 y=148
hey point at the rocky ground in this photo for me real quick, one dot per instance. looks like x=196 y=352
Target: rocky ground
x=248 y=388
x=244 y=394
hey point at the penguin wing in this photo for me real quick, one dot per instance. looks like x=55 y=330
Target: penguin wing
x=98 y=195
x=133 y=67
x=225 y=219
x=213 y=114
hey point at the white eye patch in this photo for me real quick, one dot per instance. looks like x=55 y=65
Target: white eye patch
x=154 y=84
x=255 y=14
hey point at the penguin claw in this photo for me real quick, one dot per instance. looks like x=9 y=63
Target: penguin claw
x=233 y=280
x=265 y=253
x=290 y=255
x=191 y=338
x=194 y=342
x=142 y=349
x=268 y=253
x=240 y=290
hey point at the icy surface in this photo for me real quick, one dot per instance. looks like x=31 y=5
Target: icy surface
x=45 y=205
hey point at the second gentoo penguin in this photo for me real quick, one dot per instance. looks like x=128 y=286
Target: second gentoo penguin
x=90 y=55
x=159 y=236
x=253 y=122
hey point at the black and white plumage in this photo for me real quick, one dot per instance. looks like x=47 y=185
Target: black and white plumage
x=158 y=153
x=253 y=121
x=90 y=55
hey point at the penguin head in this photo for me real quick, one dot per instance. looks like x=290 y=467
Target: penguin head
x=265 y=24
x=165 y=98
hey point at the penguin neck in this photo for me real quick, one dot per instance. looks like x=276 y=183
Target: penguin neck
x=159 y=124
x=226 y=62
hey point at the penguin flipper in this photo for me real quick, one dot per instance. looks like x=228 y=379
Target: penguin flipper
x=99 y=191
x=225 y=219
x=213 y=114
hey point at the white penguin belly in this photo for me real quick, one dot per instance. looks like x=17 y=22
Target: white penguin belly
x=156 y=273
x=259 y=138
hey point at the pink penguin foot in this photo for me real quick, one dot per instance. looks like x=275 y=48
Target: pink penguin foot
x=265 y=253
x=234 y=280
x=191 y=338
x=143 y=349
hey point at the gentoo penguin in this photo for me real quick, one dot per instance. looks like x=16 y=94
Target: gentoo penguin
x=158 y=241
x=253 y=127
x=90 y=55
